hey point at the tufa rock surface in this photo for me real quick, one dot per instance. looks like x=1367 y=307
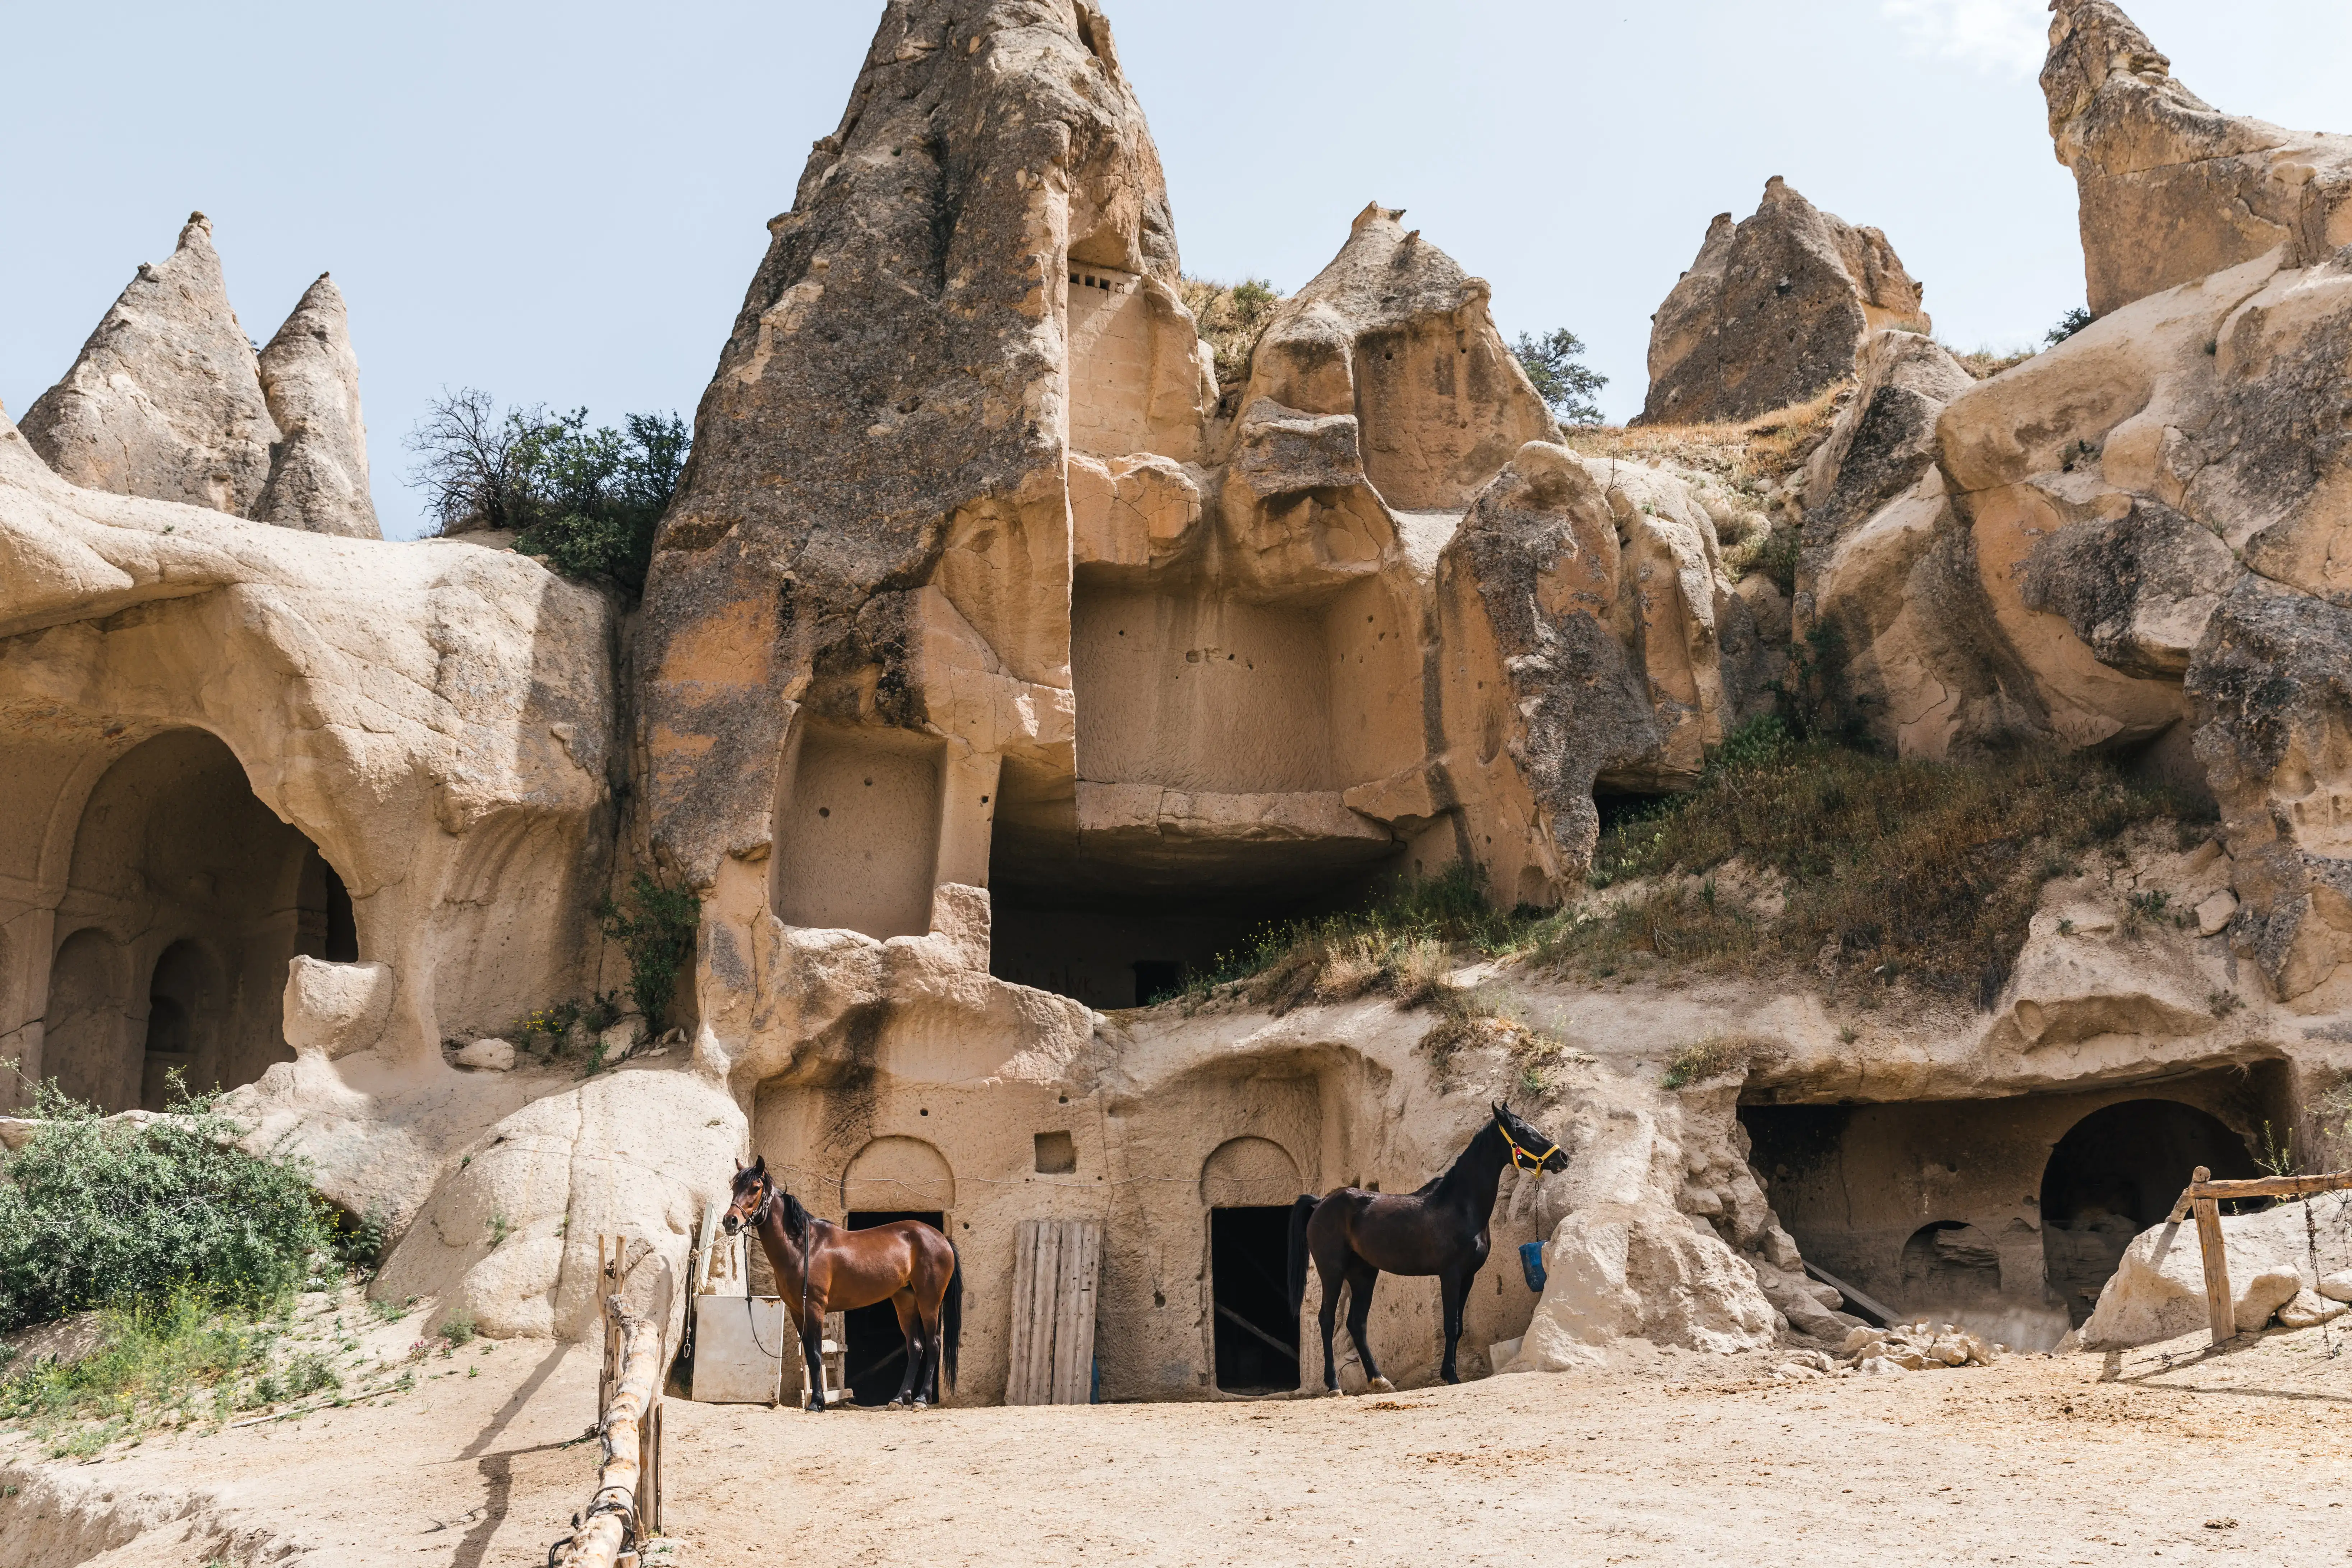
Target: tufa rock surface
x=169 y=401
x=1395 y=335
x=2172 y=189
x=895 y=392
x=166 y=399
x=319 y=471
x=1773 y=312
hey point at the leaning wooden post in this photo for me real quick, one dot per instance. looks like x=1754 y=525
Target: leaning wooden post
x=2220 y=1310
x=616 y=1517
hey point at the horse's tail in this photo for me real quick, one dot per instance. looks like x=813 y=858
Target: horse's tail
x=1300 y=1213
x=951 y=1314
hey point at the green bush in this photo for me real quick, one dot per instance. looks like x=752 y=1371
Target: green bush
x=655 y=929
x=93 y=1212
x=586 y=501
x=153 y=1358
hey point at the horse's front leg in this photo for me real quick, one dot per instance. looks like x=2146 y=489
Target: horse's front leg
x=1455 y=1290
x=813 y=1354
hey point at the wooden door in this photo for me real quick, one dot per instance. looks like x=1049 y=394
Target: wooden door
x=1055 y=1263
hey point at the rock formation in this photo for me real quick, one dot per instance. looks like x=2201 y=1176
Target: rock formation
x=319 y=471
x=1773 y=312
x=2172 y=189
x=169 y=399
x=2133 y=540
x=999 y=672
x=166 y=399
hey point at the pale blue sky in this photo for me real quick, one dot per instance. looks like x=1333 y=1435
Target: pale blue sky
x=563 y=203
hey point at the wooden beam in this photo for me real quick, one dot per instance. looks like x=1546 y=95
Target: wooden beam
x=1871 y=1308
x=2269 y=1186
x=1246 y=1326
x=2221 y=1310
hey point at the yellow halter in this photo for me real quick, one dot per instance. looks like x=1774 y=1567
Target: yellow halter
x=1521 y=1159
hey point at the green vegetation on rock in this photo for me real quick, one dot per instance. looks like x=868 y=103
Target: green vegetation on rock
x=94 y=1212
x=587 y=501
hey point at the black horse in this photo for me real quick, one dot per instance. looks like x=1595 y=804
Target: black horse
x=1353 y=1235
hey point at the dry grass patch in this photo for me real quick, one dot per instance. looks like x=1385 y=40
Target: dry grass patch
x=1919 y=873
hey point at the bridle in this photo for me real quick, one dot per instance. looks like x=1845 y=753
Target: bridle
x=759 y=1215
x=1522 y=1159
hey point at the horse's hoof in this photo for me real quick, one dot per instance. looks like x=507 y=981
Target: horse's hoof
x=919 y=1405
x=1380 y=1385
x=1335 y=1394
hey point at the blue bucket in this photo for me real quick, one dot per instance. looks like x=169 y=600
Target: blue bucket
x=1531 y=1264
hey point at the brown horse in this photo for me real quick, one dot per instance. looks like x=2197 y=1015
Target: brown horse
x=821 y=1268
x=1353 y=1235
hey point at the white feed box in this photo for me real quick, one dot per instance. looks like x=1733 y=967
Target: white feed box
x=740 y=1345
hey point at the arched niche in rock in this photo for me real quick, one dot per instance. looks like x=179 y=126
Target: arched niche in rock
x=86 y=1047
x=203 y=896
x=1249 y=1173
x=898 y=1173
x=2116 y=1171
x=1949 y=1263
x=856 y=831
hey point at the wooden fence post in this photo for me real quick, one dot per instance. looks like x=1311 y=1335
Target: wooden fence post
x=2221 y=1306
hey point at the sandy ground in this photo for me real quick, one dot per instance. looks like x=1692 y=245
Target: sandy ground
x=2244 y=1456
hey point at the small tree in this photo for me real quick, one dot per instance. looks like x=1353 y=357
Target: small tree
x=2069 y=324
x=1568 y=387
x=588 y=501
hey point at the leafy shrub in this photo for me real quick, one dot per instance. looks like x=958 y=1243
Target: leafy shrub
x=94 y=1212
x=588 y=501
x=1568 y=386
x=655 y=929
x=2069 y=324
x=152 y=1359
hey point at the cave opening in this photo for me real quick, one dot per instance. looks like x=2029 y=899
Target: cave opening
x=2116 y=1173
x=184 y=900
x=1256 y=1334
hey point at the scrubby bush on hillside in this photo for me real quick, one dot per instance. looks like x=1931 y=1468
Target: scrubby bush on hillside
x=1889 y=872
x=655 y=928
x=588 y=501
x=95 y=1212
x=1231 y=317
x=1925 y=872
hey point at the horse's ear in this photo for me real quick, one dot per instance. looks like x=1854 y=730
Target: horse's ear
x=738 y=1167
x=760 y=1164
x=1501 y=1106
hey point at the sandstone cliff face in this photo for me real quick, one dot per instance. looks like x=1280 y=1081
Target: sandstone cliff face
x=2136 y=539
x=894 y=401
x=435 y=720
x=319 y=471
x=1772 y=312
x=168 y=400
x=165 y=400
x=2172 y=189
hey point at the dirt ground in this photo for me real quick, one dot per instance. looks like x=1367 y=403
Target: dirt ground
x=2165 y=1452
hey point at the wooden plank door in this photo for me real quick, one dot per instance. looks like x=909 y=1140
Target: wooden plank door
x=1055 y=1266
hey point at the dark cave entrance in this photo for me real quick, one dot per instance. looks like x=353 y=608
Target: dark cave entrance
x=2117 y=1172
x=874 y=1352
x=1256 y=1332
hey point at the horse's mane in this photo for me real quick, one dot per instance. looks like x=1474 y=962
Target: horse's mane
x=1433 y=1183
x=796 y=1218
